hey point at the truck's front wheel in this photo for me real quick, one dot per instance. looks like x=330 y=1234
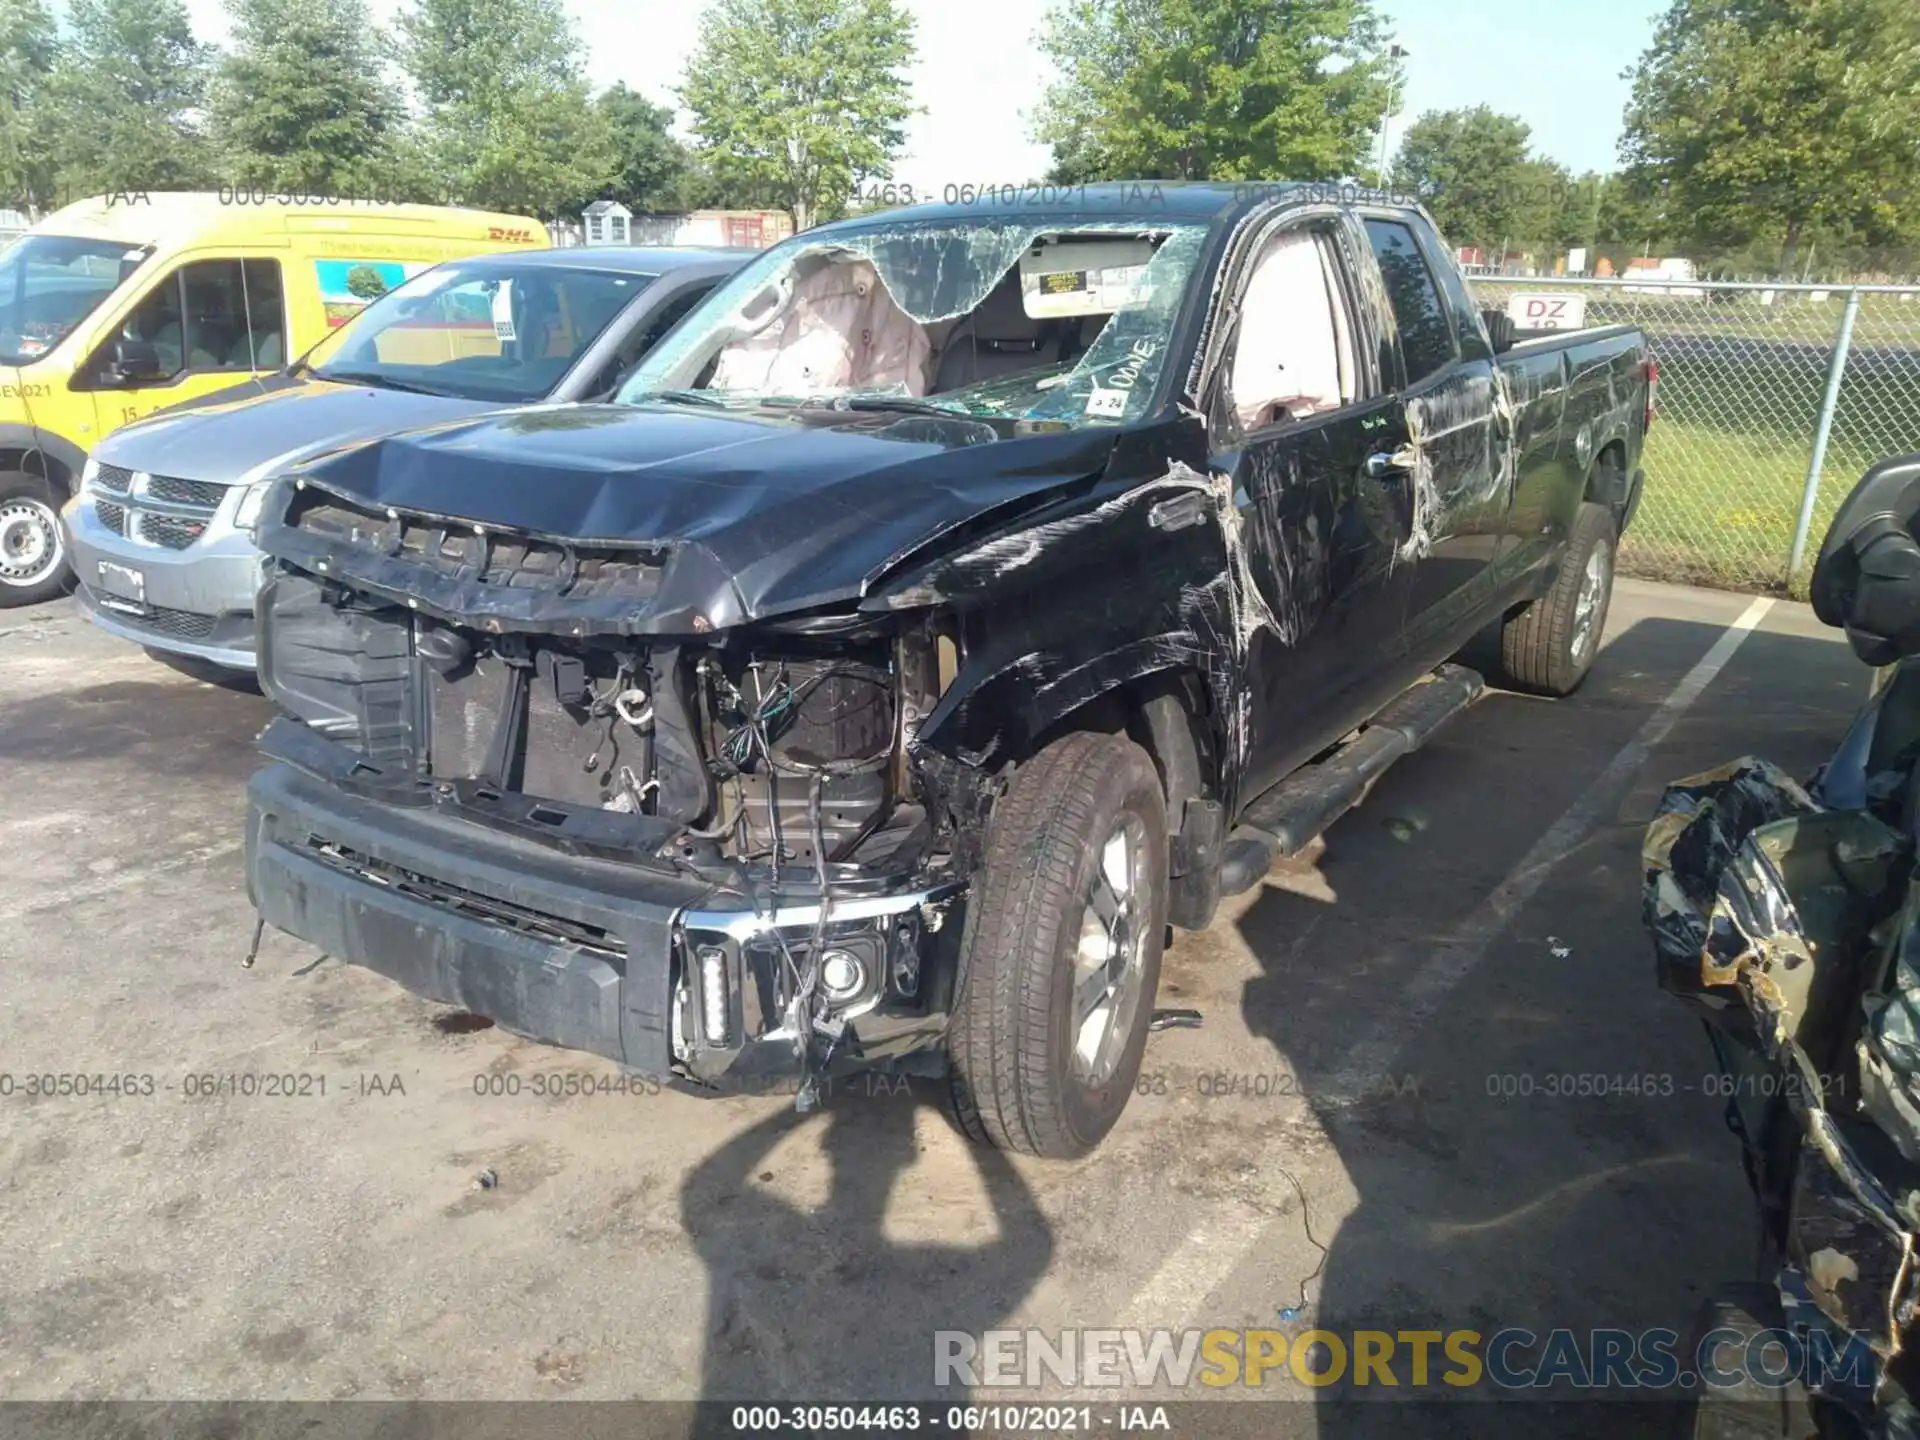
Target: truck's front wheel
x=1065 y=925
x=33 y=548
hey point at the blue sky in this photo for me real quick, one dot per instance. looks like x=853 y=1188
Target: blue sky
x=1554 y=63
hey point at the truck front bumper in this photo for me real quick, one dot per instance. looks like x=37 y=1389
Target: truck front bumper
x=197 y=601
x=655 y=971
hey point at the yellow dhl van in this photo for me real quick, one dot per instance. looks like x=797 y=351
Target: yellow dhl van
x=114 y=307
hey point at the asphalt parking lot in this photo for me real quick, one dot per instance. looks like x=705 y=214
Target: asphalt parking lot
x=1378 y=1020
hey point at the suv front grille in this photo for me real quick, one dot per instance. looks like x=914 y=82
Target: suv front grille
x=187 y=492
x=164 y=510
x=177 y=624
x=170 y=531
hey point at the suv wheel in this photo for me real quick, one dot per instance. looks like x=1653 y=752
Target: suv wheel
x=33 y=546
x=1062 y=956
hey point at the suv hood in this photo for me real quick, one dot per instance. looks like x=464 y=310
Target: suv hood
x=270 y=425
x=750 y=512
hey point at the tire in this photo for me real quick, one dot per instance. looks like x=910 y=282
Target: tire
x=1024 y=1076
x=33 y=544
x=1548 y=648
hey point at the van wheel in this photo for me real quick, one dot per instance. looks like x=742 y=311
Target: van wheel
x=1061 y=959
x=33 y=546
x=1548 y=647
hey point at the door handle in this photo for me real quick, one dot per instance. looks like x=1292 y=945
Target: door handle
x=1381 y=466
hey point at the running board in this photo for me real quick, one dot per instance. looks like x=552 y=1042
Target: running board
x=1284 y=820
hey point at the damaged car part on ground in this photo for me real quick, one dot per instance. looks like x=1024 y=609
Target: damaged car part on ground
x=951 y=604
x=1789 y=916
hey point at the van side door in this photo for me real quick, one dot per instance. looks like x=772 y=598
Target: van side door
x=201 y=327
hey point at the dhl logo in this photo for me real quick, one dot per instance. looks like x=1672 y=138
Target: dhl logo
x=501 y=232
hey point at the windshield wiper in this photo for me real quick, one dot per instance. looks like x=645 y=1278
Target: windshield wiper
x=911 y=404
x=684 y=397
x=384 y=382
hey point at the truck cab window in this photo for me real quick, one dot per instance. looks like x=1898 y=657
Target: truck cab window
x=1293 y=356
x=1426 y=339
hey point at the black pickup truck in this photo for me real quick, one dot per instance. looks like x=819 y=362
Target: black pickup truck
x=955 y=601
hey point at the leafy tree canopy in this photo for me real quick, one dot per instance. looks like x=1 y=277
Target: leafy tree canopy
x=801 y=100
x=1213 y=89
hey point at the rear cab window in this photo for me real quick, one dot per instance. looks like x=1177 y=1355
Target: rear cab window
x=1420 y=313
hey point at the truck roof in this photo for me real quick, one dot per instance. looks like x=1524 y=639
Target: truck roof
x=1110 y=200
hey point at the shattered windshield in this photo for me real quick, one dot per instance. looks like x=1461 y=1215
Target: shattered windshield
x=999 y=320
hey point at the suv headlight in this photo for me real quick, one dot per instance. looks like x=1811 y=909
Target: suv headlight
x=89 y=473
x=247 y=515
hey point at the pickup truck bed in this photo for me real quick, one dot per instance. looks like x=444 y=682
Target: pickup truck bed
x=912 y=641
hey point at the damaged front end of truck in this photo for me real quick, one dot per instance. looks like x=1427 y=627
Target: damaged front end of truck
x=737 y=844
x=1788 y=916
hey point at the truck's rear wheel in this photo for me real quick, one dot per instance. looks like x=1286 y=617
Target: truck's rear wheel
x=1548 y=647
x=33 y=547
x=1062 y=958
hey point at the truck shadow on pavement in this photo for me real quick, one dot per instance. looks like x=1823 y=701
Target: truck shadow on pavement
x=1495 y=1187
x=160 y=725
x=819 y=1303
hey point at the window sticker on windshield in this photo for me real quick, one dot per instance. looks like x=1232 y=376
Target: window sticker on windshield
x=1118 y=287
x=1109 y=403
x=503 y=310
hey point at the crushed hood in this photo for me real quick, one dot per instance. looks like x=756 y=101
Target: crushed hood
x=257 y=427
x=756 y=512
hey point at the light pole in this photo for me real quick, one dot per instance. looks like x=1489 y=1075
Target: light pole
x=1395 y=52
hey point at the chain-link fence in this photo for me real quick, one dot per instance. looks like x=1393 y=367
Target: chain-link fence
x=1773 y=400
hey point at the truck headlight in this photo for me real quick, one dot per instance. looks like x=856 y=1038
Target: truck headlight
x=246 y=515
x=89 y=473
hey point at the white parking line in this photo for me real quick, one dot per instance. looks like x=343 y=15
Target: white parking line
x=1224 y=1242
x=1372 y=1056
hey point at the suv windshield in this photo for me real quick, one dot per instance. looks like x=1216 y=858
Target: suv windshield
x=477 y=329
x=50 y=283
x=1000 y=319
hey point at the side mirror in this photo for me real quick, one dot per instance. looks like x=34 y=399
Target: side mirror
x=1867 y=578
x=136 y=360
x=1499 y=329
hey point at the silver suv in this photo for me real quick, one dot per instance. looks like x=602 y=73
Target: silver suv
x=159 y=527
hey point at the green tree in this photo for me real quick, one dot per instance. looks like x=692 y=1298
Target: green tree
x=509 y=120
x=303 y=104
x=29 y=47
x=800 y=100
x=653 y=166
x=1775 y=123
x=365 y=283
x=1212 y=89
x=1470 y=168
x=129 y=89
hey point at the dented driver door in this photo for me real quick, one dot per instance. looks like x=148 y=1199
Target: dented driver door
x=1323 y=533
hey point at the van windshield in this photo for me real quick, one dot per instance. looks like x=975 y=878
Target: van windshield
x=50 y=283
x=477 y=330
